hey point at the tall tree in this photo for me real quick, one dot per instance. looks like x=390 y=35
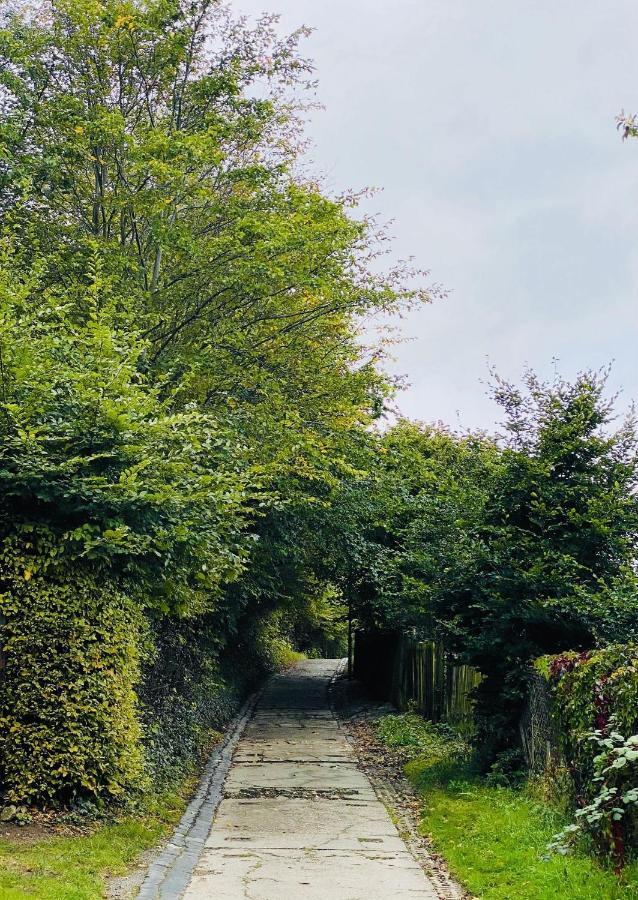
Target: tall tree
x=506 y=548
x=184 y=380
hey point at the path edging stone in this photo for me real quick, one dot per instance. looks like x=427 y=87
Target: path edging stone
x=169 y=874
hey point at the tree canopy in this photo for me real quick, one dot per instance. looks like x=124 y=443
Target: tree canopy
x=507 y=547
x=193 y=455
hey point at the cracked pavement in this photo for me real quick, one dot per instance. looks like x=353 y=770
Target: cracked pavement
x=298 y=819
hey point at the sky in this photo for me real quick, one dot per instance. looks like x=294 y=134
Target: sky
x=490 y=128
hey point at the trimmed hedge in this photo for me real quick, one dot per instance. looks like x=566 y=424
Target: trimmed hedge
x=68 y=710
x=97 y=700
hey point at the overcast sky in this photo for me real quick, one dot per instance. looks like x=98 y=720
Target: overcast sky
x=490 y=127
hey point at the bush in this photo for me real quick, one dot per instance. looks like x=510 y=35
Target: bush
x=589 y=689
x=272 y=644
x=507 y=770
x=610 y=817
x=68 y=710
x=596 y=708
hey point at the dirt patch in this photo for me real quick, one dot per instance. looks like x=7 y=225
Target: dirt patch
x=25 y=835
x=42 y=827
x=272 y=793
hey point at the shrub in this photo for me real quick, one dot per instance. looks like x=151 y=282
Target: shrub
x=68 y=710
x=272 y=644
x=595 y=705
x=611 y=815
x=589 y=688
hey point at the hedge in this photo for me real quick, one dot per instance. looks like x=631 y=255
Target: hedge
x=68 y=711
x=99 y=698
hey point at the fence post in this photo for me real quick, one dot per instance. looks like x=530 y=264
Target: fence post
x=350 y=638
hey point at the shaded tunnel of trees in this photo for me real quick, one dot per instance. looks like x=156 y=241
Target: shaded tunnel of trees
x=200 y=473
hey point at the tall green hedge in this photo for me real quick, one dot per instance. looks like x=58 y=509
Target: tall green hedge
x=68 y=710
x=99 y=698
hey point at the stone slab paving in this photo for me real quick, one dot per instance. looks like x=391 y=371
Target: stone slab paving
x=298 y=820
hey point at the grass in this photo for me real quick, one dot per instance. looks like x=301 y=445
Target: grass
x=432 y=743
x=289 y=658
x=494 y=838
x=76 y=867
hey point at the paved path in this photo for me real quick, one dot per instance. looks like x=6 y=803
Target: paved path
x=298 y=819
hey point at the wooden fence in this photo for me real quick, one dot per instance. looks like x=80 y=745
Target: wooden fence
x=419 y=673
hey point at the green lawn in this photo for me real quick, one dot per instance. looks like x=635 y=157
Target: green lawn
x=494 y=838
x=75 y=868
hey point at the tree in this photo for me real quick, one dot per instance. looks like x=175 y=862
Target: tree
x=560 y=531
x=507 y=549
x=165 y=130
x=183 y=383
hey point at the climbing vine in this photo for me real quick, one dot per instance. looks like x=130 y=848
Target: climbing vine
x=596 y=709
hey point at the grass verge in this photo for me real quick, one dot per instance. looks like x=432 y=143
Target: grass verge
x=493 y=838
x=41 y=866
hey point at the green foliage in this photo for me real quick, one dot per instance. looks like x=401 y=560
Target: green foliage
x=137 y=125
x=595 y=702
x=272 y=645
x=507 y=770
x=422 y=739
x=509 y=548
x=609 y=815
x=68 y=712
x=430 y=751
x=589 y=689
x=107 y=506
x=183 y=390
x=319 y=627
x=97 y=455
x=187 y=694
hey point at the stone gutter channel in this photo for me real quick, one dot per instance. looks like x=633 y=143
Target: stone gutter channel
x=169 y=874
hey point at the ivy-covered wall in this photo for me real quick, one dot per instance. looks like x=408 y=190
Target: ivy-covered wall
x=593 y=690
x=594 y=706
x=194 y=679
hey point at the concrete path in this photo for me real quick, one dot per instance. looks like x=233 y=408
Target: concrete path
x=298 y=820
